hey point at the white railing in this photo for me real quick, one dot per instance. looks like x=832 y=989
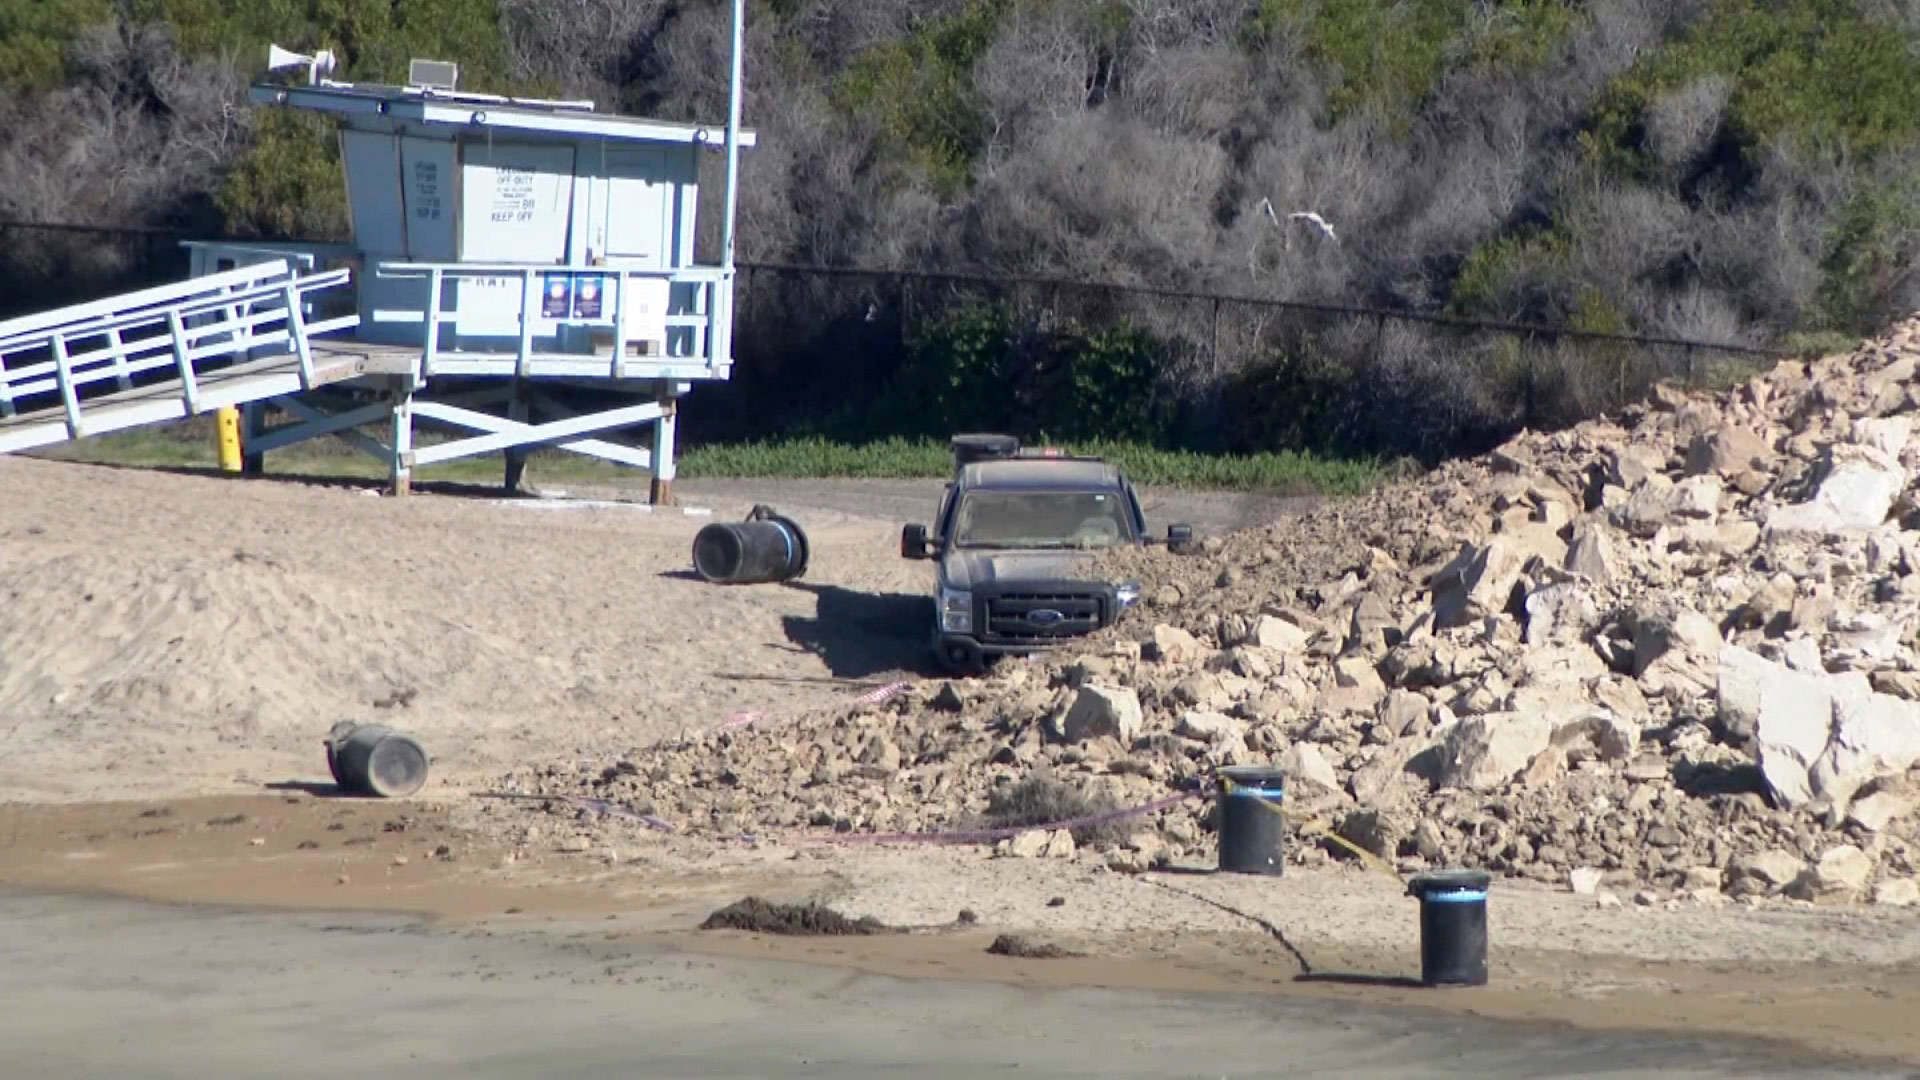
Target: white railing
x=697 y=301
x=226 y=315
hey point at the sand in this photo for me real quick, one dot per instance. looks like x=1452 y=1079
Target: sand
x=175 y=646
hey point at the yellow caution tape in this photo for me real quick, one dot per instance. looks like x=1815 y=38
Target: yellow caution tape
x=1321 y=828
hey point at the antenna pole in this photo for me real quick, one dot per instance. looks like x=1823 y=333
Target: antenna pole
x=733 y=135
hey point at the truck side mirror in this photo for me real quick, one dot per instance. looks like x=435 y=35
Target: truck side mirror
x=1179 y=538
x=913 y=542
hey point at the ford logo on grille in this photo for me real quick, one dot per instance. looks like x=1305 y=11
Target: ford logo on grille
x=1044 y=617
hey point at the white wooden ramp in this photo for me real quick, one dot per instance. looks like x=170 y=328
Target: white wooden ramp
x=167 y=353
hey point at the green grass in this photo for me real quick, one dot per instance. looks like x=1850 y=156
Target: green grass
x=1284 y=472
x=191 y=446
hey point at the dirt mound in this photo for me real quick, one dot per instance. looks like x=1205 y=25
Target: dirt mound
x=1674 y=653
x=1028 y=949
x=210 y=638
x=798 y=920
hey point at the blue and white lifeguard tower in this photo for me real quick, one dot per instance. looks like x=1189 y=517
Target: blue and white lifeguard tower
x=502 y=250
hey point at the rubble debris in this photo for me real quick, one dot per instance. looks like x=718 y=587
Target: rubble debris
x=1675 y=650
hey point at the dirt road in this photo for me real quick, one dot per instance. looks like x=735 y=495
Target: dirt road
x=109 y=988
x=169 y=634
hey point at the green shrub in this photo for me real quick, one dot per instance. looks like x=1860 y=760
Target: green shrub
x=1816 y=71
x=922 y=90
x=34 y=35
x=1869 y=255
x=1388 y=54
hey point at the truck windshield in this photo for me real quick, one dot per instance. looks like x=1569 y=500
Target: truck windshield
x=1040 y=519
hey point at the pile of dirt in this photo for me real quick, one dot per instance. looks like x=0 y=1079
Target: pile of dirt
x=793 y=920
x=1672 y=653
x=220 y=637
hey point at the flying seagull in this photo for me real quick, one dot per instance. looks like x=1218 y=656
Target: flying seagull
x=1315 y=220
x=1308 y=216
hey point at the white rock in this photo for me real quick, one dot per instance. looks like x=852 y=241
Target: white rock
x=1562 y=614
x=1762 y=872
x=1879 y=809
x=1870 y=635
x=1633 y=465
x=1872 y=736
x=1060 y=844
x=1696 y=497
x=1585 y=881
x=1032 y=844
x=1857 y=488
x=1599 y=733
x=1103 y=711
x=1481 y=753
x=1789 y=714
x=1648 y=508
x=1172 y=645
x=1841 y=873
x=1402 y=710
x=1207 y=726
x=1726 y=451
x=1897 y=892
x=1479 y=582
x=1279 y=635
x=1887 y=434
x=1305 y=763
x=1591 y=555
x=1661 y=629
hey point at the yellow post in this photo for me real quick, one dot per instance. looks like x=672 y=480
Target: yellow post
x=228 y=437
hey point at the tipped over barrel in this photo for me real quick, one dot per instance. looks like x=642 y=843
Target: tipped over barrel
x=765 y=547
x=369 y=759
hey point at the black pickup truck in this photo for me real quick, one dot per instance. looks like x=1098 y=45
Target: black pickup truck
x=1015 y=527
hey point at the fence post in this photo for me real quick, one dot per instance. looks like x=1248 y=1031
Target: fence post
x=1690 y=370
x=1526 y=348
x=1213 y=349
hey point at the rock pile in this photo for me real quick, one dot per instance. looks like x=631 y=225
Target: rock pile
x=1671 y=653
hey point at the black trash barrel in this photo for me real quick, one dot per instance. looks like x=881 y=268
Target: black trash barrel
x=369 y=759
x=1253 y=832
x=1453 y=926
x=765 y=547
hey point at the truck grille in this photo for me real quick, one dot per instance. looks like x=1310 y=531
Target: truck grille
x=1009 y=618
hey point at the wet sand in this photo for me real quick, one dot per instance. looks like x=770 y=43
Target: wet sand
x=438 y=886
x=105 y=987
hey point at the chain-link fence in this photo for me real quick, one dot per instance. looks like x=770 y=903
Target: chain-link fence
x=859 y=353
x=1230 y=373
x=46 y=266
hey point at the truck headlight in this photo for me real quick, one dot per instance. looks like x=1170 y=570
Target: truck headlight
x=956 y=611
x=1127 y=593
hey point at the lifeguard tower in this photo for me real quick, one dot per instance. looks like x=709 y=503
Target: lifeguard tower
x=505 y=254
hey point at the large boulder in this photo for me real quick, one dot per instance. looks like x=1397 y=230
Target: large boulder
x=1481 y=753
x=1591 y=555
x=1648 y=509
x=1172 y=645
x=1873 y=735
x=1856 y=489
x=1789 y=716
x=1097 y=711
x=1279 y=635
x=1562 y=614
x=1840 y=874
x=1479 y=582
x=1727 y=452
